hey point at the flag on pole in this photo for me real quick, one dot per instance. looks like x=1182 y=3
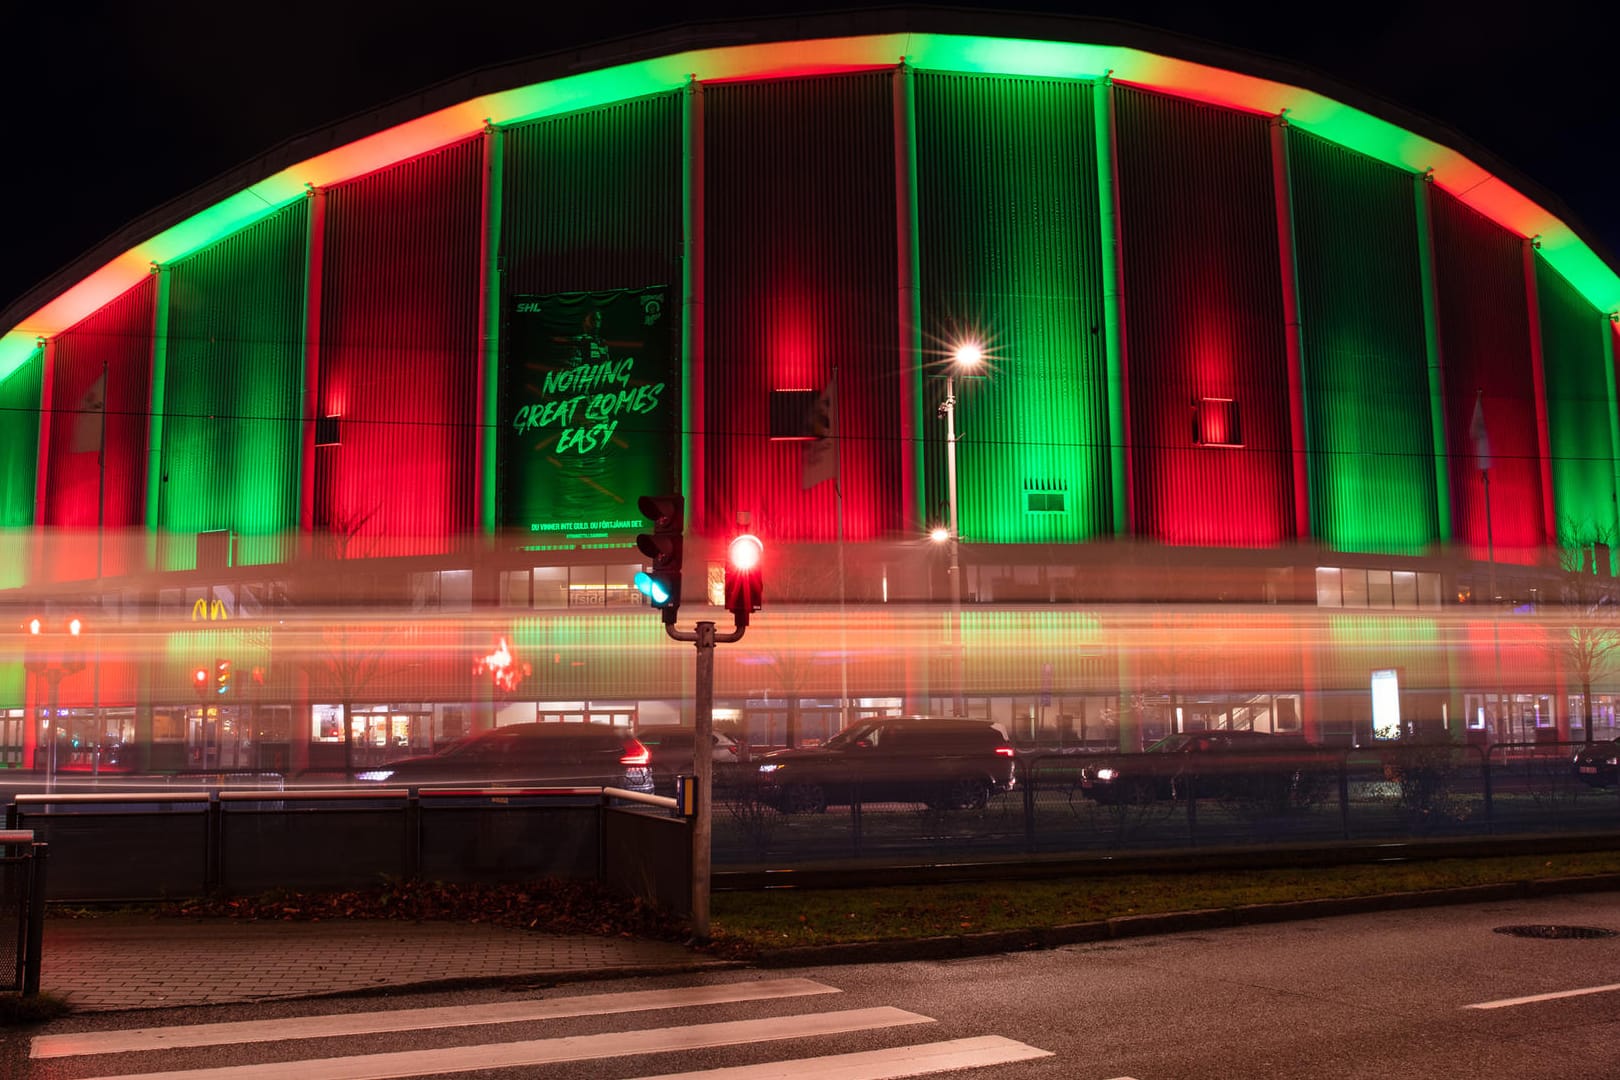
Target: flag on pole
x=1477 y=436
x=821 y=455
x=91 y=410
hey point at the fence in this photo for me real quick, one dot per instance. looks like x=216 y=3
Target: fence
x=1312 y=796
x=167 y=845
x=22 y=897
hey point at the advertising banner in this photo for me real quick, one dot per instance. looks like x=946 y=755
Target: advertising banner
x=589 y=411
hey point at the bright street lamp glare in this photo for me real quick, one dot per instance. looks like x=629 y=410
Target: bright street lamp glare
x=33 y=626
x=939 y=535
x=968 y=354
x=74 y=627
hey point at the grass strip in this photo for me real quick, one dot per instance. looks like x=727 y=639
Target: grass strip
x=749 y=922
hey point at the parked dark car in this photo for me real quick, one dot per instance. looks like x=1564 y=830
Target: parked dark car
x=1599 y=764
x=947 y=764
x=538 y=755
x=1254 y=765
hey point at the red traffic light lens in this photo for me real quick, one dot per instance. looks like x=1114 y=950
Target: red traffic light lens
x=745 y=552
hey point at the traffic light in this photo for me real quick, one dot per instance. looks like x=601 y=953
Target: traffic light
x=661 y=584
x=222 y=677
x=745 y=576
x=200 y=682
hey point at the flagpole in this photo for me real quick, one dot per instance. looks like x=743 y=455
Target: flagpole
x=1482 y=451
x=843 y=621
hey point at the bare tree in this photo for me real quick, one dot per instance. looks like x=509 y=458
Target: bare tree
x=1590 y=598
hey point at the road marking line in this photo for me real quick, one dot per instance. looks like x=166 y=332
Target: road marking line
x=1505 y=1002
x=471 y=1058
x=888 y=1064
x=368 y=1023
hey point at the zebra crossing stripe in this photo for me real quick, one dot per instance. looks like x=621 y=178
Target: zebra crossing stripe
x=371 y=1023
x=452 y=1059
x=900 y=1061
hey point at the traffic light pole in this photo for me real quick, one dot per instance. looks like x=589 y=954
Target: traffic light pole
x=705 y=638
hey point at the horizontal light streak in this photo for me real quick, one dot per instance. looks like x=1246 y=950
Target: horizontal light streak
x=1315 y=112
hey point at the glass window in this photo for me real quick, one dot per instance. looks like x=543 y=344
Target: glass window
x=515 y=588
x=1328 y=587
x=455 y=590
x=425 y=591
x=551 y=586
x=1379 y=592
x=1405 y=590
x=1355 y=586
x=1428 y=586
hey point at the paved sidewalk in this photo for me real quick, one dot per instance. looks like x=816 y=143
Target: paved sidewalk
x=137 y=961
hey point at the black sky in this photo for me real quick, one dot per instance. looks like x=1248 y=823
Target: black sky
x=111 y=109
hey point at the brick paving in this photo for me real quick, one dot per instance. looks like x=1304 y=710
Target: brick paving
x=123 y=961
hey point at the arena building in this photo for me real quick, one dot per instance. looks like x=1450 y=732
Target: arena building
x=1286 y=395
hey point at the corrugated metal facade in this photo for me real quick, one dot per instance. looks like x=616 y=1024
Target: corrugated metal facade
x=801 y=276
x=1577 y=408
x=1485 y=335
x=231 y=425
x=1204 y=321
x=592 y=200
x=1008 y=235
x=1370 y=445
x=399 y=355
x=117 y=339
x=19 y=465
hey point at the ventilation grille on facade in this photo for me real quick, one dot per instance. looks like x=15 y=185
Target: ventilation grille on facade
x=1045 y=496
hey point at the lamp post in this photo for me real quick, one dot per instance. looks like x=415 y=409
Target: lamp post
x=966 y=357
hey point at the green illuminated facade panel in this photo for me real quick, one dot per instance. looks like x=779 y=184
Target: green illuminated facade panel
x=1368 y=425
x=19 y=450
x=1577 y=406
x=231 y=430
x=1010 y=257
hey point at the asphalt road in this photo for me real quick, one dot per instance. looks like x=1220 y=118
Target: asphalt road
x=1392 y=994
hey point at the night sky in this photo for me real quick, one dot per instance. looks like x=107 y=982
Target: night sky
x=110 y=110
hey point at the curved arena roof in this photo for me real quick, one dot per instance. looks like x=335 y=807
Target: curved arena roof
x=935 y=41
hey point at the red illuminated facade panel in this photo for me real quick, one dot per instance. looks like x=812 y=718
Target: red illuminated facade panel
x=1204 y=321
x=398 y=361
x=1485 y=338
x=801 y=278
x=101 y=369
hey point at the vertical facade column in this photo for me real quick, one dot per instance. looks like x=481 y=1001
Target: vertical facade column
x=487 y=448
x=1532 y=297
x=154 y=418
x=1422 y=193
x=1614 y=413
x=309 y=387
x=42 y=460
x=694 y=432
x=913 y=493
x=1288 y=263
x=1113 y=297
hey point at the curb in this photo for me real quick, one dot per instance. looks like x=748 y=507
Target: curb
x=1175 y=922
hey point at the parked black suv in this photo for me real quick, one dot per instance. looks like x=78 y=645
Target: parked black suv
x=537 y=755
x=947 y=764
x=1251 y=765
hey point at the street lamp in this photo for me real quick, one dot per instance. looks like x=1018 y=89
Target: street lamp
x=966 y=357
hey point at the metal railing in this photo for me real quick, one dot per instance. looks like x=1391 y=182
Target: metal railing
x=22 y=896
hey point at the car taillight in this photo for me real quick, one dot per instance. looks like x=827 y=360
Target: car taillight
x=634 y=753
x=1005 y=751
x=732 y=749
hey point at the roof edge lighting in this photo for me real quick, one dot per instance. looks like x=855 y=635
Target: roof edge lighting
x=1312 y=111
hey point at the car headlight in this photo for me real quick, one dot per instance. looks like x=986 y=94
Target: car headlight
x=375 y=775
x=769 y=768
x=1613 y=761
x=1105 y=773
